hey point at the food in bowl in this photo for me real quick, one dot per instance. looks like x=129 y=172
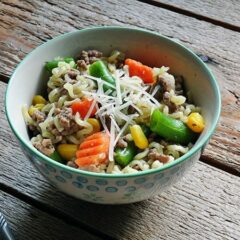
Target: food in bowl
x=112 y=114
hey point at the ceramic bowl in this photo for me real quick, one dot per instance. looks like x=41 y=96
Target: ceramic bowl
x=148 y=47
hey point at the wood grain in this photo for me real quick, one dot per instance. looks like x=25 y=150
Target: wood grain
x=28 y=223
x=225 y=12
x=33 y=22
x=205 y=205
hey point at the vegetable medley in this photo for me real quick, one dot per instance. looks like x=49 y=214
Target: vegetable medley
x=112 y=114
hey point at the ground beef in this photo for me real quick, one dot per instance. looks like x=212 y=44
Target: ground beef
x=63 y=91
x=122 y=143
x=82 y=64
x=73 y=74
x=57 y=139
x=120 y=64
x=167 y=82
x=166 y=99
x=179 y=90
x=128 y=137
x=131 y=110
x=66 y=119
x=38 y=116
x=164 y=143
x=88 y=57
x=57 y=111
x=151 y=137
x=108 y=122
x=94 y=53
x=34 y=130
x=52 y=129
x=45 y=146
x=72 y=164
x=154 y=155
x=74 y=127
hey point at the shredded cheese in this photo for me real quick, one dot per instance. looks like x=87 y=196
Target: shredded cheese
x=113 y=105
x=111 y=145
x=99 y=80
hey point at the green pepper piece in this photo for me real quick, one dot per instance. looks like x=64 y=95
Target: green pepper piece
x=54 y=63
x=57 y=157
x=124 y=156
x=98 y=69
x=146 y=130
x=170 y=128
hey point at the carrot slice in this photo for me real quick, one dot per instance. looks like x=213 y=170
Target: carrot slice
x=138 y=69
x=84 y=161
x=93 y=150
x=90 y=143
x=96 y=135
x=82 y=107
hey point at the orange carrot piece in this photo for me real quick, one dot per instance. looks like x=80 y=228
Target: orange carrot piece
x=95 y=136
x=93 y=150
x=94 y=159
x=138 y=69
x=82 y=107
x=90 y=143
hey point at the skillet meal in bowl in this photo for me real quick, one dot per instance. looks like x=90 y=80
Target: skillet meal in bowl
x=112 y=114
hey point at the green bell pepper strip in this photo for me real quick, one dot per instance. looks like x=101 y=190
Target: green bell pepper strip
x=57 y=157
x=99 y=69
x=54 y=63
x=170 y=128
x=124 y=156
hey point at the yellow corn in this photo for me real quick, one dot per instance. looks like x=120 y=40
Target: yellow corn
x=32 y=108
x=39 y=106
x=95 y=124
x=139 y=137
x=38 y=99
x=67 y=151
x=195 y=122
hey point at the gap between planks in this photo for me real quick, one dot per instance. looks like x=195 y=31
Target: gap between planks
x=205 y=159
x=54 y=212
x=191 y=14
x=4 y=78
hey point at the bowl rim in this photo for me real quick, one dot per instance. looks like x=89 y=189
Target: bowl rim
x=183 y=158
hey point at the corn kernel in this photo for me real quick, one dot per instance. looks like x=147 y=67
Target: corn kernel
x=195 y=122
x=67 y=151
x=139 y=137
x=38 y=99
x=31 y=110
x=39 y=106
x=95 y=124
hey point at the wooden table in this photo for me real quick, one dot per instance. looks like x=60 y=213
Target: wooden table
x=206 y=203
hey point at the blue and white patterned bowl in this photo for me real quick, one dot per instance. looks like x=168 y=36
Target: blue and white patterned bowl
x=148 y=47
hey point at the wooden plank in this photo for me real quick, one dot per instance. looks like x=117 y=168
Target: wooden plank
x=221 y=12
x=29 y=223
x=205 y=205
x=33 y=22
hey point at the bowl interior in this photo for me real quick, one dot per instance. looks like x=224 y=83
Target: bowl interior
x=151 y=49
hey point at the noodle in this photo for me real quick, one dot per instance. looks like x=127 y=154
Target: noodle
x=111 y=107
